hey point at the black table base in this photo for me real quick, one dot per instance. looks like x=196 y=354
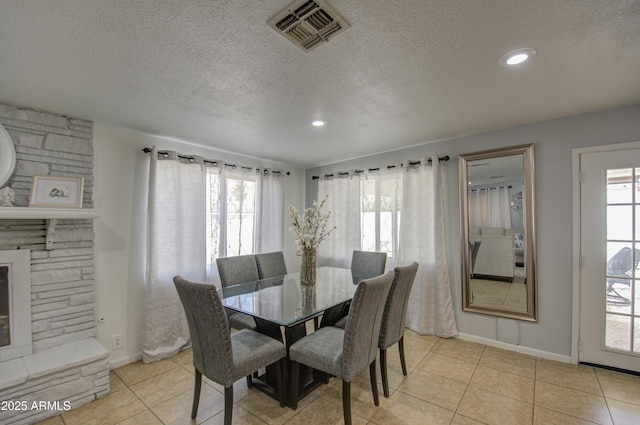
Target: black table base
x=309 y=378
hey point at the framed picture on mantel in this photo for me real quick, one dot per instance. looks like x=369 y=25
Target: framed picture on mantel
x=57 y=192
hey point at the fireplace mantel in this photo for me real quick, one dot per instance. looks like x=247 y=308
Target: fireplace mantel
x=27 y=213
x=51 y=215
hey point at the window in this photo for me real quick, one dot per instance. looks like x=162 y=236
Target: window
x=241 y=201
x=231 y=200
x=380 y=214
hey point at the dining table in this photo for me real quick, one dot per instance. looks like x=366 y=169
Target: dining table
x=282 y=306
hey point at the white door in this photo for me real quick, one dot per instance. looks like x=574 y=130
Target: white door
x=610 y=252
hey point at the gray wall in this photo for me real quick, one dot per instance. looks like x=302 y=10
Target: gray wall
x=554 y=141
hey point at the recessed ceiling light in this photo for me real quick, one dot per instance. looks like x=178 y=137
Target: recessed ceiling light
x=318 y=123
x=516 y=57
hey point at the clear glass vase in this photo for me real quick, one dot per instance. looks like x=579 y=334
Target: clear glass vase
x=308 y=299
x=308 y=266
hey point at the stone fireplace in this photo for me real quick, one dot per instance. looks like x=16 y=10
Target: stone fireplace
x=65 y=367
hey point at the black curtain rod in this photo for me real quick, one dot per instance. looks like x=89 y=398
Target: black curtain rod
x=215 y=163
x=389 y=167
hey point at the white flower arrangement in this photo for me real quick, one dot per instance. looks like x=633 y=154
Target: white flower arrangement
x=310 y=228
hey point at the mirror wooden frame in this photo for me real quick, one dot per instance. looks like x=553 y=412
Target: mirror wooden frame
x=527 y=151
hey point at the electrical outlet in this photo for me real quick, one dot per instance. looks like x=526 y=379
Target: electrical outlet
x=117 y=342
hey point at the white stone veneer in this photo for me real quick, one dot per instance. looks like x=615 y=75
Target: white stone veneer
x=76 y=373
x=67 y=363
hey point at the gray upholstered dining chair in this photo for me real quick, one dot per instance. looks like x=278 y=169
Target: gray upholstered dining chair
x=234 y=270
x=345 y=352
x=238 y=269
x=365 y=264
x=217 y=354
x=394 y=319
x=270 y=264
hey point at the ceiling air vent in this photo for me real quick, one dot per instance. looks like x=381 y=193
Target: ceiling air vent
x=309 y=23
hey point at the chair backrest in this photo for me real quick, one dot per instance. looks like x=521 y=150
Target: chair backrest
x=271 y=264
x=209 y=330
x=365 y=264
x=239 y=269
x=623 y=261
x=395 y=308
x=363 y=325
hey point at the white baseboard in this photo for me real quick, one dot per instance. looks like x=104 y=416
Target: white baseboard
x=123 y=361
x=516 y=348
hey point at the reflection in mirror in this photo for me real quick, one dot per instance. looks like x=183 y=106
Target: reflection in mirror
x=497 y=229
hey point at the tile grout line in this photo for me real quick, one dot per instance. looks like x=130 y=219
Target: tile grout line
x=484 y=347
x=148 y=377
x=148 y=408
x=572 y=389
x=606 y=401
x=139 y=399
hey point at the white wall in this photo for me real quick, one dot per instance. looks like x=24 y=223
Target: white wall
x=120 y=193
x=554 y=141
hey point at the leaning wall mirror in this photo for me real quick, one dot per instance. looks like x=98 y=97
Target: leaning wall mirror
x=497 y=218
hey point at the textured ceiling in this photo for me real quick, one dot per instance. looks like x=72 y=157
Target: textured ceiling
x=407 y=71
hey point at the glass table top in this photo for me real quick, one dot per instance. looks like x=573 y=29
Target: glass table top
x=284 y=301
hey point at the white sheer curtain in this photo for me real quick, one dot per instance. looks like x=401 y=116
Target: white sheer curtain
x=403 y=209
x=198 y=212
x=344 y=204
x=269 y=212
x=489 y=207
x=422 y=239
x=176 y=246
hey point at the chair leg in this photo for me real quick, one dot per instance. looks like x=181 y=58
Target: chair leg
x=614 y=297
x=196 y=394
x=346 y=402
x=295 y=382
x=228 y=405
x=374 y=382
x=403 y=362
x=249 y=381
x=383 y=372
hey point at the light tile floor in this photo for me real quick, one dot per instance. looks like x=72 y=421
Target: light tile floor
x=450 y=381
x=496 y=294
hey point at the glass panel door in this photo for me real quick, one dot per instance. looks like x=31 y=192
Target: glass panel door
x=609 y=308
x=623 y=255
